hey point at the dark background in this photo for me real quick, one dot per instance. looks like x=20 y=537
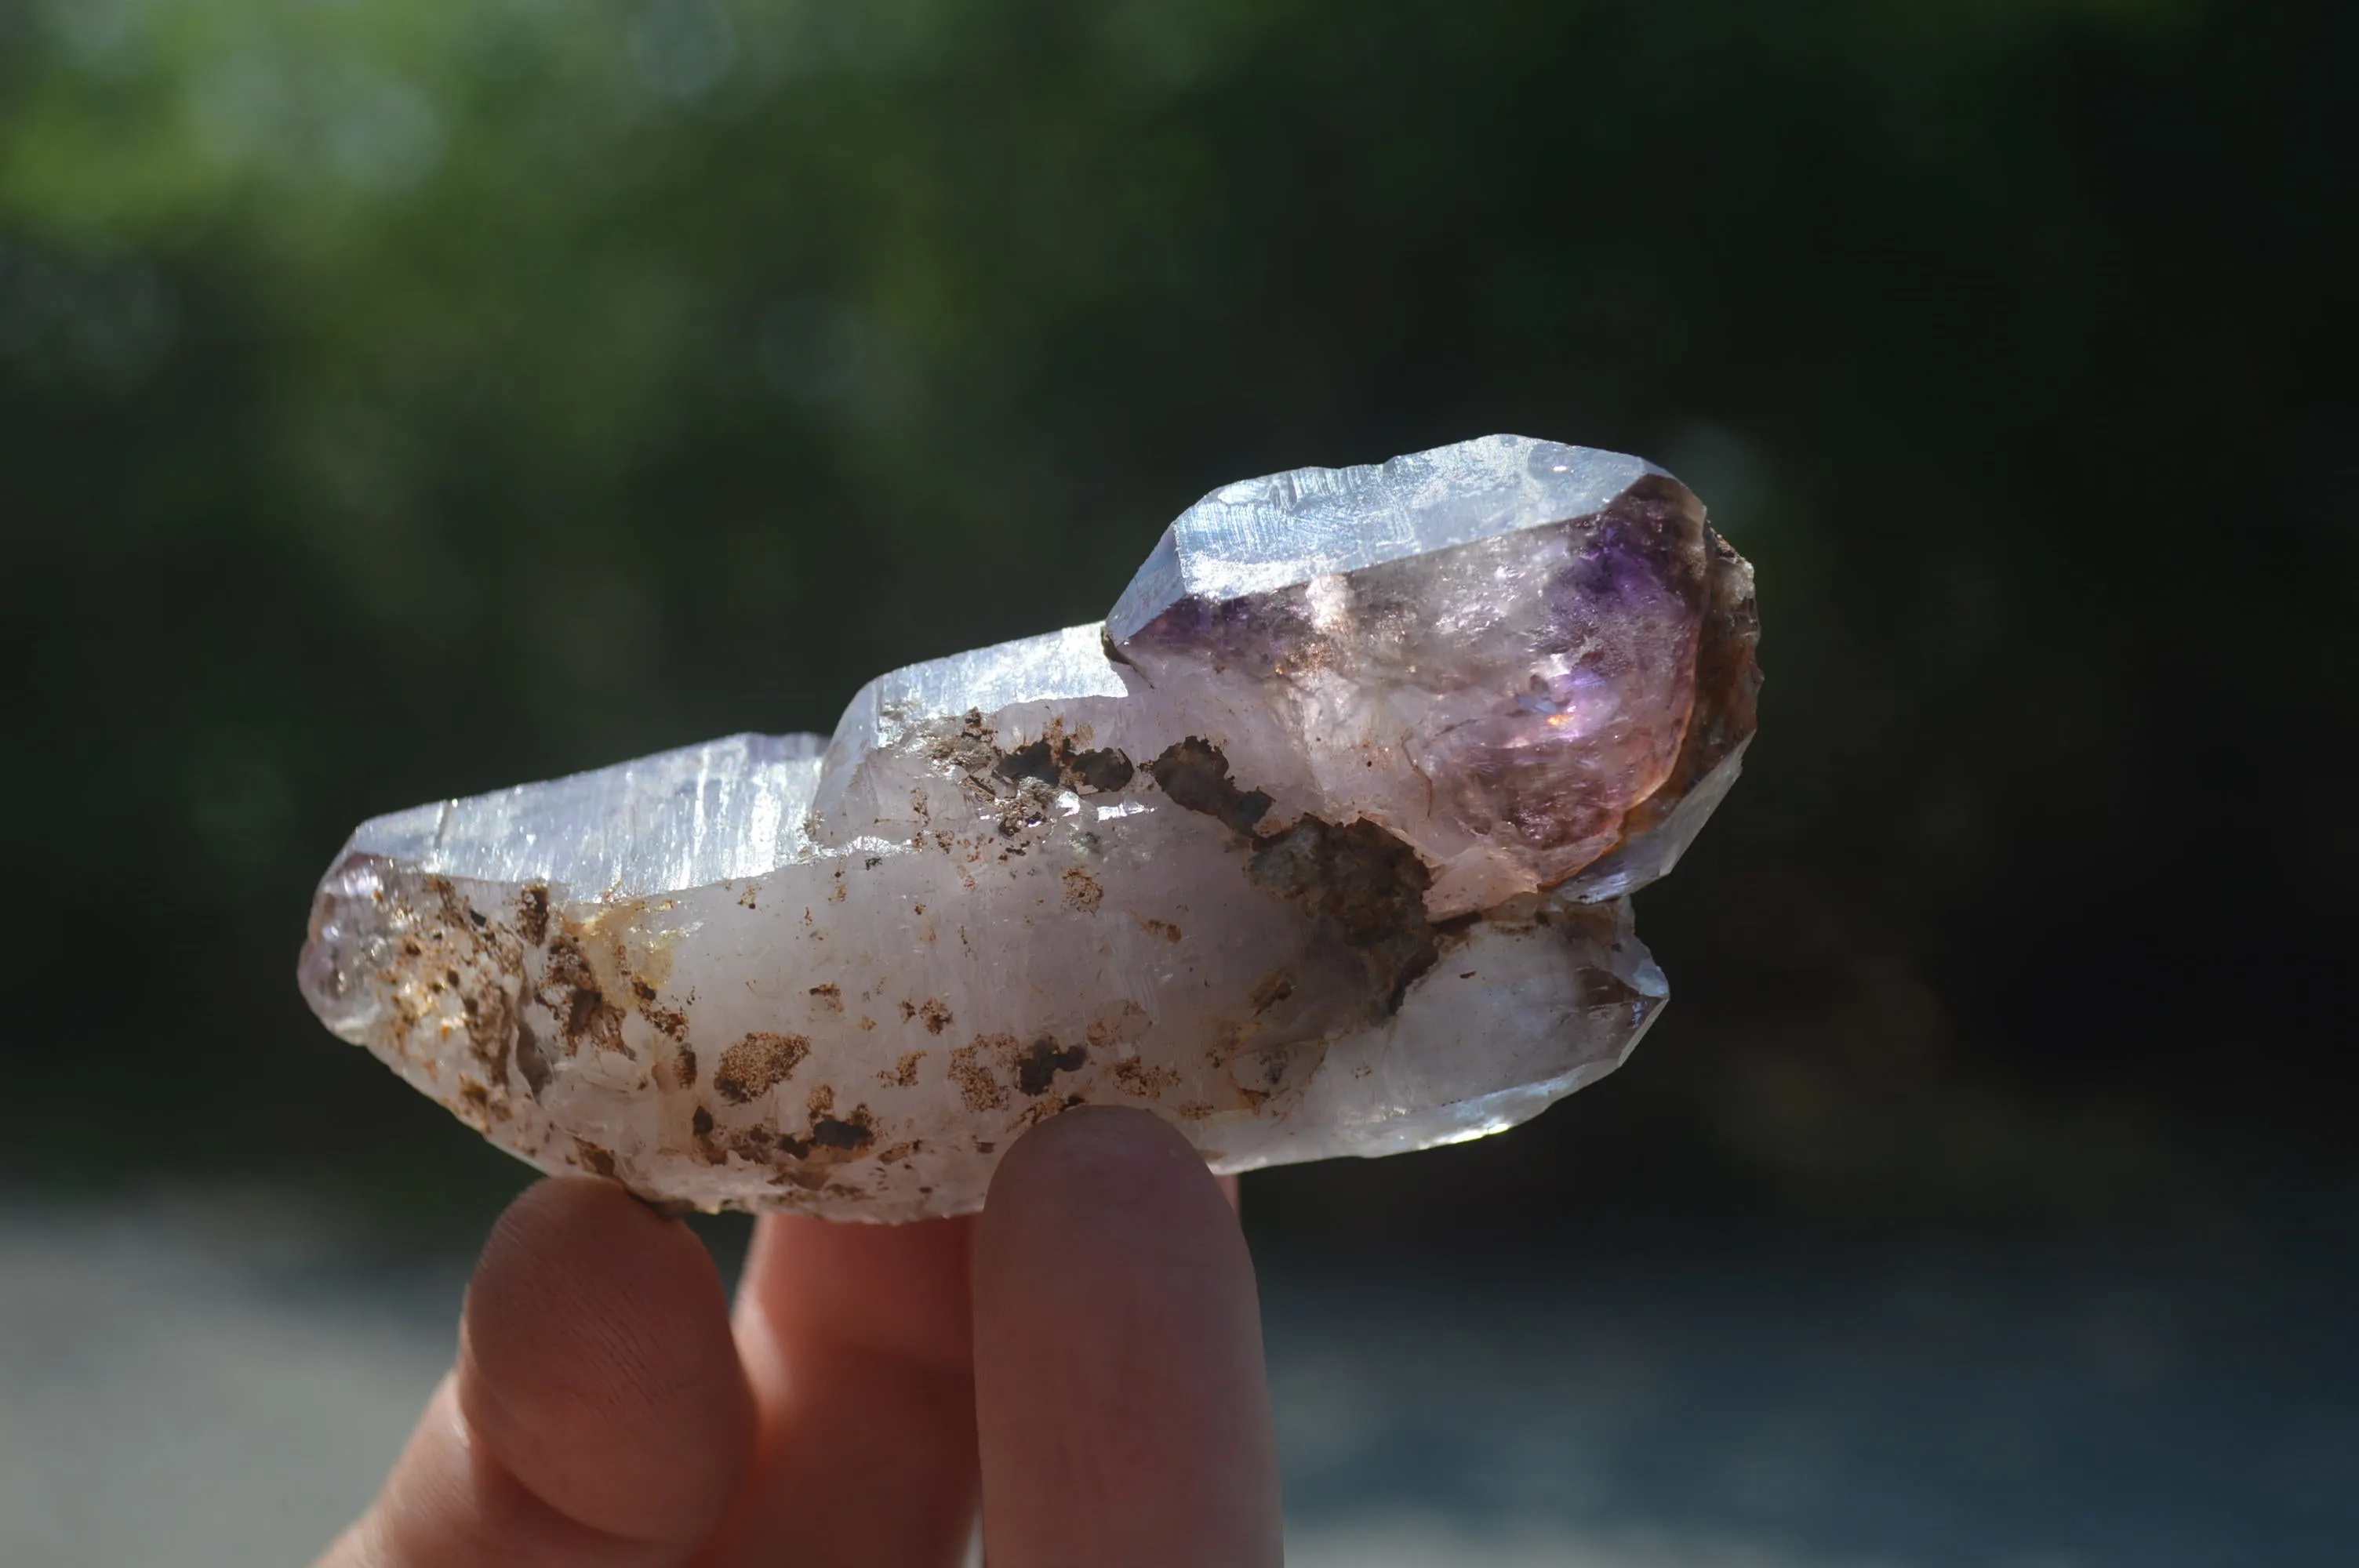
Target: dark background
x=400 y=401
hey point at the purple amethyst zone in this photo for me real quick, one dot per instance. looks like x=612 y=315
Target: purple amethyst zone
x=1538 y=682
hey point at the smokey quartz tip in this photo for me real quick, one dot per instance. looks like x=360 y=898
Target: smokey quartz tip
x=1320 y=844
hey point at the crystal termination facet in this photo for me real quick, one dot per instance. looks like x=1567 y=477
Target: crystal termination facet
x=1319 y=845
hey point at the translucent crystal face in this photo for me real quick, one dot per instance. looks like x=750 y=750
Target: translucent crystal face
x=1317 y=847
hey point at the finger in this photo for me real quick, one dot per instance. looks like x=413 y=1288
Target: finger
x=856 y=1339
x=597 y=1415
x=1119 y=1391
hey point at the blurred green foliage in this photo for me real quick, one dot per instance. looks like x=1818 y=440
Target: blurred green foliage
x=402 y=399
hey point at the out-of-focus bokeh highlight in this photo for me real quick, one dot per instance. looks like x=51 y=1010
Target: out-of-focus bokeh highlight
x=407 y=399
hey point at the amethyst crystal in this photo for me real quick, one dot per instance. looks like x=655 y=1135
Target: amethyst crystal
x=1318 y=846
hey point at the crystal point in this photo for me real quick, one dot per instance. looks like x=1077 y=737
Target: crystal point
x=1321 y=844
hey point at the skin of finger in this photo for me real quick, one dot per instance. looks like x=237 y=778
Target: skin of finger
x=449 y=1501
x=856 y=1339
x=598 y=1413
x=1120 y=1394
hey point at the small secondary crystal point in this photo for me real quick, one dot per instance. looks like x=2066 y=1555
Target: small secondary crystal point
x=1319 y=845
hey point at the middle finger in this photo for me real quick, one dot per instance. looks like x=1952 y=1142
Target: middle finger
x=857 y=1341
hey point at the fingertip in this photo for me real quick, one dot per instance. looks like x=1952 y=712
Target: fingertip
x=899 y=1290
x=1105 y=1165
x=596 y=1363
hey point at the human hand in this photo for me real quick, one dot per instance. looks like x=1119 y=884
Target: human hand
x=1085 y=1355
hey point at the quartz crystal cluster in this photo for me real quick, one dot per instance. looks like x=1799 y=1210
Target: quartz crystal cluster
x=1319 y=845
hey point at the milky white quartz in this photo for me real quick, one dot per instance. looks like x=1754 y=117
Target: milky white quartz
x=1319 y=845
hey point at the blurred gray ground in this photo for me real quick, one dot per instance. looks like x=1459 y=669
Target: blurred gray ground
x=219 y=1378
